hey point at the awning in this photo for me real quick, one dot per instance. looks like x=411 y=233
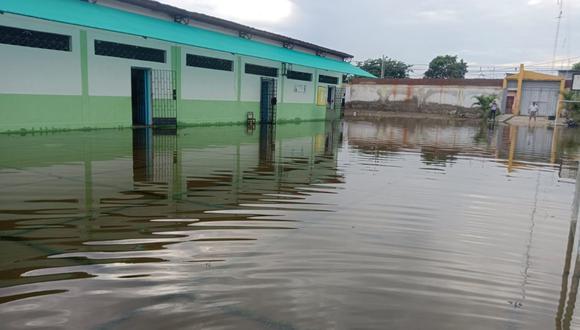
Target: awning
x=83 y=13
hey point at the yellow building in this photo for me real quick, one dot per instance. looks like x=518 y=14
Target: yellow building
x=526 y=87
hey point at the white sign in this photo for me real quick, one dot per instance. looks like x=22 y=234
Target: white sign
x=300 y=89
x=576 y=82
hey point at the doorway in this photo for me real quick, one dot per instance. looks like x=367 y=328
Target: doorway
x=141 y=96
x=509 y=104
x=330 y=97
x=268 y=101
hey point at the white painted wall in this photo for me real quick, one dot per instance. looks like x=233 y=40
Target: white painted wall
x=208 y=84
x=111 y=76
x=27 y=70
x=298 y=91
x=251 y=83
x=424 y=94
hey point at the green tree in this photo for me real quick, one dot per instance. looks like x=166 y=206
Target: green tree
x=445 y=67
x=393 y=68
x=576 y=66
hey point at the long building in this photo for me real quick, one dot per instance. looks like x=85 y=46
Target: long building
x=73 y=64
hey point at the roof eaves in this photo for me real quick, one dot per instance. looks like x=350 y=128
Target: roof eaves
x=176 y=11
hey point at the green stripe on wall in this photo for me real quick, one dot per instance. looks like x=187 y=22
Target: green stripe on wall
x=239 y=71
x=84 y=72
x=51 y=112
x=176 y=67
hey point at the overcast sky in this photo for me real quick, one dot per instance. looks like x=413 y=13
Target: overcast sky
x=483 y=32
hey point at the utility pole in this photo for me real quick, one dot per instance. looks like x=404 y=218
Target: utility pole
x=559 y=18
x=382 y=66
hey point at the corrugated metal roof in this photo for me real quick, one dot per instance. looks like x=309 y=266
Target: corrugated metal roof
x=85 y=14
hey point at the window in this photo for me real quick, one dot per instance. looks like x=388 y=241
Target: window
x=113 y=49
x=209 y=62
x=35 y=39
x=261 y=70
x=297 y=75
x=328 y=79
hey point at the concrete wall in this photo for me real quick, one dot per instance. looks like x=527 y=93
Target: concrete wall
x=207 y=84
x=409 y=95
x=111 y=76
x=299 y=91
x=25 y=70
x=45 y=89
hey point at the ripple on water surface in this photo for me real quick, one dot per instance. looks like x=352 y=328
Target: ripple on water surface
x=400 y=224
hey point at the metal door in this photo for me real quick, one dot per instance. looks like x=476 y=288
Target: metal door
x=164 y=97
x=268 y=101
x=509 y=104
x=339 y=94
x=546 y=94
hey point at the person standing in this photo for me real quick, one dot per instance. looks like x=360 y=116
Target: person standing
x=493 y=111
x=533 y=111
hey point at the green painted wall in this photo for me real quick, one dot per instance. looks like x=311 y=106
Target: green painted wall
x=300 y=111
x=21 y=112
x=196 y=112
x=53 y=112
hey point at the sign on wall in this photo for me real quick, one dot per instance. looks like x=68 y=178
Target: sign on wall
x=301 y=89
x=576 y=82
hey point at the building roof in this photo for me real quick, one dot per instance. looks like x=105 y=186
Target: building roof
x=531 y=75
x=83 y=13
x=176 y=12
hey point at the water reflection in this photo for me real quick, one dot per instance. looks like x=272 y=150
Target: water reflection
x=395 y=224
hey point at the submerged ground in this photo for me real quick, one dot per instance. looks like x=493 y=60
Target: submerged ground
x=400 y=224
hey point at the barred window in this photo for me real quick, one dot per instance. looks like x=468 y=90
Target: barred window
x=113 y=49
x=297 y=75
x=206 y=62
x=34 y=39
x=261 y=70
x=328 y=79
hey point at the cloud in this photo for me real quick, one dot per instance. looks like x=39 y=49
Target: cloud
x=535 y=2
x=438 y=15
x=247 y=11
x=489 y=32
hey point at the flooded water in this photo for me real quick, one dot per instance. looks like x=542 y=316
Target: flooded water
x=401 y=224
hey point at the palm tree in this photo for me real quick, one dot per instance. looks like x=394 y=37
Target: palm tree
x=484 y=103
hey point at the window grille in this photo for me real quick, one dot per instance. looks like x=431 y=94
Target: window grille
x=328 y=79
x=261 y=70
x=113 y=49
x=34 y=39
x=297 y=75
x=206 y=62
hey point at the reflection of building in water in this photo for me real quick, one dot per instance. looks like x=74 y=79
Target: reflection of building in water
x=267 y=145
x=154 y=154
x=233 y=167
x=530 y=144
x=437 y=141
x=440 y=142
x=112 y=183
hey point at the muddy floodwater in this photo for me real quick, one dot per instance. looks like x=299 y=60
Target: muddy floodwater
x=396 y=224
